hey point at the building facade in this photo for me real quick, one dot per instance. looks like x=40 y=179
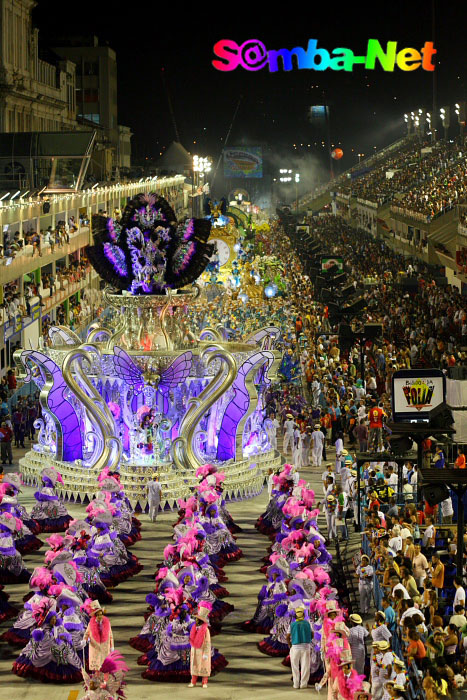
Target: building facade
x=96 y=93
x=35 y=95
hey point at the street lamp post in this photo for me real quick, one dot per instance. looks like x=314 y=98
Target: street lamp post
x=201 y=166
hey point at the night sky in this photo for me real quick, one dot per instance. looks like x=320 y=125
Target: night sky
x=367 y=107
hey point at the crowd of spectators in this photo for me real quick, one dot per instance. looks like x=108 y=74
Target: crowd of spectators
x=36 y=243
x=420 y=179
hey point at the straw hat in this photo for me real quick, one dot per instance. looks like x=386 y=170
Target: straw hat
x=399 y=662
x=346 y=658
x=288 y=415
x=383 y=645
x=95 y=606
x=331 y=498
x=355 y=617
x=202 y=614
x=342 y=628
x=331 y=606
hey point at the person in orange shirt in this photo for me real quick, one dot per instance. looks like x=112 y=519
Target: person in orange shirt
x=460 y=461
x=437 y=578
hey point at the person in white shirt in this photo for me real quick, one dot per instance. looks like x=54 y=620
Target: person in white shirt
x=306 y=444
x=325 y=475
x=297 y=448
x=398 y=586
x=339 y=444
x=447 y=510
x=275 y=425
x=317 y=439
x=289 y=427
x=395 y=545
x=459 y=598
x=270 y=482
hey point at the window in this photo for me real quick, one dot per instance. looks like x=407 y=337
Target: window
x=91 y=68
x=91 y=95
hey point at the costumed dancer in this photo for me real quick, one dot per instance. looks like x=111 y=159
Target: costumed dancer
x=49 y=655
x=12 y=569
x=347 y=681
x=108 y=682
x=200 y=653
x=49 y=511
x=20 y=632
x=99 y=635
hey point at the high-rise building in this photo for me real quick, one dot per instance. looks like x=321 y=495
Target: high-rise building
x=35 y=94
x=96 y=92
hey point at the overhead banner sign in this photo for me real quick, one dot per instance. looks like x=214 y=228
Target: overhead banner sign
x=328 y=261
x=243 y=162
x=417 y=392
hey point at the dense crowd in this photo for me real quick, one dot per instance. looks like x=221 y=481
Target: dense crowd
x=426 y=179
x=41 y=242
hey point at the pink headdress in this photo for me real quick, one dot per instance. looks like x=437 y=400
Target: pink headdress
x=305 y=550
x=51 y=555
x=86 y=607
x=104 y=474
x=205 y=469
x=308 y=497
x=305 y=573
x=210 y=496
x=206 y=604
x=162 y=573
x=220 y=477
x=169 y=551
x=113 y=663
x=55 y=541
x=95 y=508
x=174 y=595
x=41 y=578
x=321 y=577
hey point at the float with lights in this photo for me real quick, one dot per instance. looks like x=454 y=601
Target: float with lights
x=133 y=397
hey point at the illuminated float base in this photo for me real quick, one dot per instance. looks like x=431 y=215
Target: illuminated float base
x=244 y=479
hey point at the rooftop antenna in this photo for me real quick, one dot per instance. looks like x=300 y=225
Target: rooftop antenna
x=169 y=100
x=226 y=139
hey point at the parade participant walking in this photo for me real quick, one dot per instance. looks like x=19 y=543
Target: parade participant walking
x=6 y=435
x=99 y=635
x=330 y=513
x=299 y=640
x=357 y=636
x=289 y=427
x=365 y=574
x=306 y=444
x=317 y=439
x=200 y=641
x=154 y=497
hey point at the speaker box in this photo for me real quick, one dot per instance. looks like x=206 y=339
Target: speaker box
x=373 y=330
x=435 y=493
x=441 y=281
x=459 y=373
x=408 y=284
x=45 y=207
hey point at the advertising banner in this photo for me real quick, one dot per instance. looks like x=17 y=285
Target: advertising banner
x=417 y=392
x=245 y=162
x=329 y=261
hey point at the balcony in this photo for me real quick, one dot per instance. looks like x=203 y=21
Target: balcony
x=16 y=324
x=27 y=260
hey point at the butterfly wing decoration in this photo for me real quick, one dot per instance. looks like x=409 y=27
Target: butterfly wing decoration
x=126 y=369
x=176 y=373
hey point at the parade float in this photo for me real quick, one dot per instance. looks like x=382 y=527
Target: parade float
x=133 y=397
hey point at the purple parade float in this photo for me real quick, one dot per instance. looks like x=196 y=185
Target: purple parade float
x=133 y=397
